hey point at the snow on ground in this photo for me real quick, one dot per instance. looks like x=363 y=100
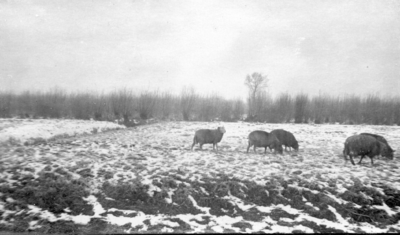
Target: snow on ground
x=24 y=129
x=312 y=190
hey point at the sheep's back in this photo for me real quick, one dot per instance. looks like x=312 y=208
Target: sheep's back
x=208 y=136
x=273 y=139
x=285 y=137
x=259 y=138
x=379 y=138
x=362 y=144
x=280 y=134
x=202 y=134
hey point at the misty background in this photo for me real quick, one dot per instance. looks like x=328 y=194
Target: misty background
x=315 y=47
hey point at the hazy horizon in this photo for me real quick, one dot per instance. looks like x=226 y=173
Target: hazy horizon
x=315 y=47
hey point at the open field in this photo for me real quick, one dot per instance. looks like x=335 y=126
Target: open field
x=146 y=179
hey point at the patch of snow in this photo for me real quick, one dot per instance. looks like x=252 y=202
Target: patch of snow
x=281 y=229
x=339 y=218
x=166 y=230
x=217 y=229
x=97 y=208
x=238 y=202
x=338 y=200
x=121 y=220
x=288 y=209
x=310 y=204
x=303 y=229
x=25 y=129
x=389 y=211
x=126 y=212
x=45 y=214
x=34 y=225
x=204 y=209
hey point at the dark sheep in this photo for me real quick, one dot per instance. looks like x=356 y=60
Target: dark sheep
x=386 y=150
x=264 y=139
x=207 y=136
x=286 y=138
x=361 y=145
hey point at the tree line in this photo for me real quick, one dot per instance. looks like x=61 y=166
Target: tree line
x=124 y=105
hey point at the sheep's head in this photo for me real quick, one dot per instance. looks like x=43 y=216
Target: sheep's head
x=385 y=151
x=221 y=129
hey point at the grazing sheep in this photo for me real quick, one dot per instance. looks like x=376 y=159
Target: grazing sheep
x=386 y=150
x=361 y=145
x=264 y=139
x=286 y=138
x=207 y=136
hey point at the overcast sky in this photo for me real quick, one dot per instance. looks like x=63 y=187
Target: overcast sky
x=313 y=46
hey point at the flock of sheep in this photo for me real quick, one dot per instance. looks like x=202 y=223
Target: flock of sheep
x=364 y=144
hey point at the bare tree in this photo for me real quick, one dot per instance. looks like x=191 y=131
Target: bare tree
x=256 y=84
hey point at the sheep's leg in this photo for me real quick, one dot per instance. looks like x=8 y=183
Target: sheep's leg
x=248 y=147
x=372 y=161
x=201 y=146
x=254 y=148
x=194 y=143
x=351 y=159
x=361 y=159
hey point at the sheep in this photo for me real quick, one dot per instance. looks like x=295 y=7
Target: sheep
x=361 y=145
x=386 y=150
x=286 y=138
x=264 y=139
x=207 y=136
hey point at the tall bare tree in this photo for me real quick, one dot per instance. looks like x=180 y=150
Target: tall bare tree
x=256 y=84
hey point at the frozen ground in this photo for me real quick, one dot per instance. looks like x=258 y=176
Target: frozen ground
x=146 y=179
x=28 y=129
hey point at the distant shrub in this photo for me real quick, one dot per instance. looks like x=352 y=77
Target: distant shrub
x=284 y=108
x=238 y=109
x=50 y=104
x=166 y=105
x=146 y=104
x=6 y=100
x=80 y=106
x=300 y=112
x=188 y=100
x=122 y=104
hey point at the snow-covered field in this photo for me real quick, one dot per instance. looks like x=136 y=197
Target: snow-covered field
x=146 y=179
x=29 y=129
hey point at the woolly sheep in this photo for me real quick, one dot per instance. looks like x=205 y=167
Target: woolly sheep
x=361 y=145
x=207 y=136
x=386 y=150
x=286 y=138
x=264 y=139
